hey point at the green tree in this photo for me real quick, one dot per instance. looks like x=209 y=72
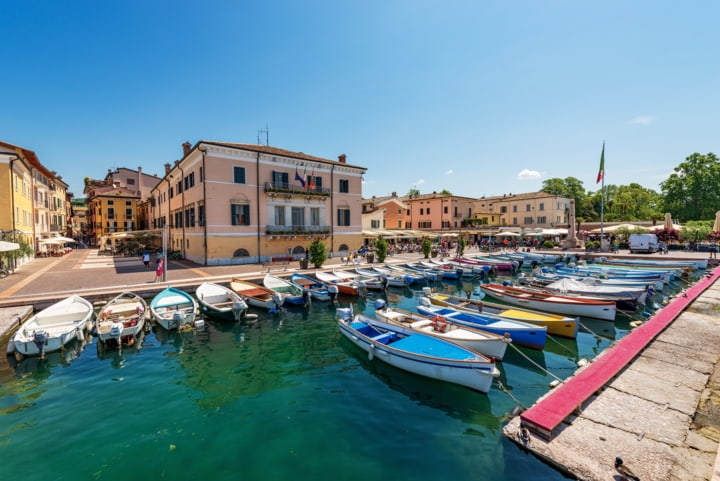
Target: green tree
x=567 y=187
x=696 y=231
x=412 y=193
x=692 y=192
x=426 y=247
x=632 y=202
x=318 y=253
x=445 y=192
x=381 y=249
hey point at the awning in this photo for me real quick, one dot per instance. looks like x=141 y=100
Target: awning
x=8 y=246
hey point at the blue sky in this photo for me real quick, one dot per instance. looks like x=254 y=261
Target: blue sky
x=477 y=97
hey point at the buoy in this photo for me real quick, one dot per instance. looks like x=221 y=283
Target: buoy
x=555 y=383
x=582 y=362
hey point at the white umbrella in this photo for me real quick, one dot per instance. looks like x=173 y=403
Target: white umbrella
x=716 y=226
x=63 y=239
x=507 y=234
x=8 y=246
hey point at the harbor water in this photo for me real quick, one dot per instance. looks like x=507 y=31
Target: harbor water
x=282 y=397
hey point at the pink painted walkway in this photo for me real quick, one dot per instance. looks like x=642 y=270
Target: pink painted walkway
x=547 y=414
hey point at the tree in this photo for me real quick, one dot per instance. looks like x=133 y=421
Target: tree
x=318 y=253
x=632 y=202
x=445 y=192
x=381 y=249
x=413 y=193
x=692 y=192
x=567 y=187
x=426 y=247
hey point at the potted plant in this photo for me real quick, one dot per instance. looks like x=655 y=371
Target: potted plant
x=318 y=253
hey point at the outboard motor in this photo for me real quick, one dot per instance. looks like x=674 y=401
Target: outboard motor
x=307 y=297
x=239 y=309
x=333 y=291
x=426 y=291
x=379 y=304
x=177 y=318
x=40 y=338
x=559 y=265
x=507 y=283
x=278 y=300
x=424 y=301
x=344 y=313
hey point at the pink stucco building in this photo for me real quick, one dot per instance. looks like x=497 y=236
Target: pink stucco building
x=230 y=203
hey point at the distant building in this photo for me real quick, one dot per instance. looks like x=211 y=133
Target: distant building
x=535 y=210
x=228 y=203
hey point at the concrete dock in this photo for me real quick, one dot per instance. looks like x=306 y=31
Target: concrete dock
x=660 y=414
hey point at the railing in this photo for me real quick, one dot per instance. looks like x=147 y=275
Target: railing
x=297 y=229
x=294 y=188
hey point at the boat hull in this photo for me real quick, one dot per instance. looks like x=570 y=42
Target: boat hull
x=470 y=372
x=122 y=319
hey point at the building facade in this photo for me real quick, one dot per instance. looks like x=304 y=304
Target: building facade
x=226 y=203
x=534 y=210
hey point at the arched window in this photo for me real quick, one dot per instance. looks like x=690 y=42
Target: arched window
x=241 y=253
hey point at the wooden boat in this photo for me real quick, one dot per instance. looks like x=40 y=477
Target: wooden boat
x=220 y=302
x=446 y=270
x=256 y=295
x=369 y=282
x=521 y=333
x=52 y=328
x=419 y=353
x=344 y=285
x=121 y=320
x=557 y=325
x=388 y=279
x=485 y=261
x=289 y=292
x=174 y=309
x=574 y=306
x=540 y=276
x=318 y=289
x=631 y=295
x=430 y=273
x=394 y=278
x=484 y=342
x=412 y=277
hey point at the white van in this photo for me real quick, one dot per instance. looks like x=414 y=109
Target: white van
x=643 y=243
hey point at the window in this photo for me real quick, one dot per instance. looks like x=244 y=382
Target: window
x=279 y=215
x=128 y=202
x=514 y=220
x=298 y=216
x=314 y=184
x=201 y=214
x=314 y=216
x=344 y=186
x=421 y=211
x=111 y=213
x=427 y=211
x=240 y=214
x=527 y=208
x=128 y=213
x=343 y=217
x=280 y=180
x=514 y=208
x=375 y=224
x=190 y=217
x=111 y=202
x=542 y=219
x=445 y=209
x=239 y=175
x=541 y=206
x=170 y=193
x=202 y=178
x=130 y=181
x=528 y=220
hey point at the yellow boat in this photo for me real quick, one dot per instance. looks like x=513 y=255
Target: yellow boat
x=556 y=325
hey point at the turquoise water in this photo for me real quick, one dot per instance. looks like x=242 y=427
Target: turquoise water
x=285 y=397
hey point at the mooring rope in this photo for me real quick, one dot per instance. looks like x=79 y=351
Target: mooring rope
x=558 y=343
x=506 y=391
x=534 y=363
x=595 y=335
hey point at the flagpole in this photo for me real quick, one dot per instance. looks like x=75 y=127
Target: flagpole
x=602 y=196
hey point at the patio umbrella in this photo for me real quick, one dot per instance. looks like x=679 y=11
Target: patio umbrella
x=8 y=246
x=507 y=234
x=716 y=226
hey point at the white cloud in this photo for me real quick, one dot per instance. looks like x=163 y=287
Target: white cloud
x=419 y=182
x=527 y=174
x=448 y=172
x=643 y=120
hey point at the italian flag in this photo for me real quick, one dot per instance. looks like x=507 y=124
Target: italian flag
x=601 y=172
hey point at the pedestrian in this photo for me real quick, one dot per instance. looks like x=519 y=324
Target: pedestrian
x=160 y=270
x=146 y=260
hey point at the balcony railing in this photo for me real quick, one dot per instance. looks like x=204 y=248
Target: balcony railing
x=297 y=229
x=294 y=188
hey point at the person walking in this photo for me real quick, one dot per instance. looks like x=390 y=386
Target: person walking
x=146 y=260
x=160 y=270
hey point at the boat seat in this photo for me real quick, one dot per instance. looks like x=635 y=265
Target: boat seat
x=384 y=338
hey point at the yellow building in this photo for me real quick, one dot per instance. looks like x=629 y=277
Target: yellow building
x=111 y=209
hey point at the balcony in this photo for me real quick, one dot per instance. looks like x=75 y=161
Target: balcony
x=297 y=230
x=294 y=188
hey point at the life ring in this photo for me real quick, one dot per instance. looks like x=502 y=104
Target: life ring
x=439 y=324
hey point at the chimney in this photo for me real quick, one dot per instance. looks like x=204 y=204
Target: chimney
x=177 y=162
x=186 y=148
x=342 y=158
x=167 y=169
x=394 y=194
x=140 y=183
